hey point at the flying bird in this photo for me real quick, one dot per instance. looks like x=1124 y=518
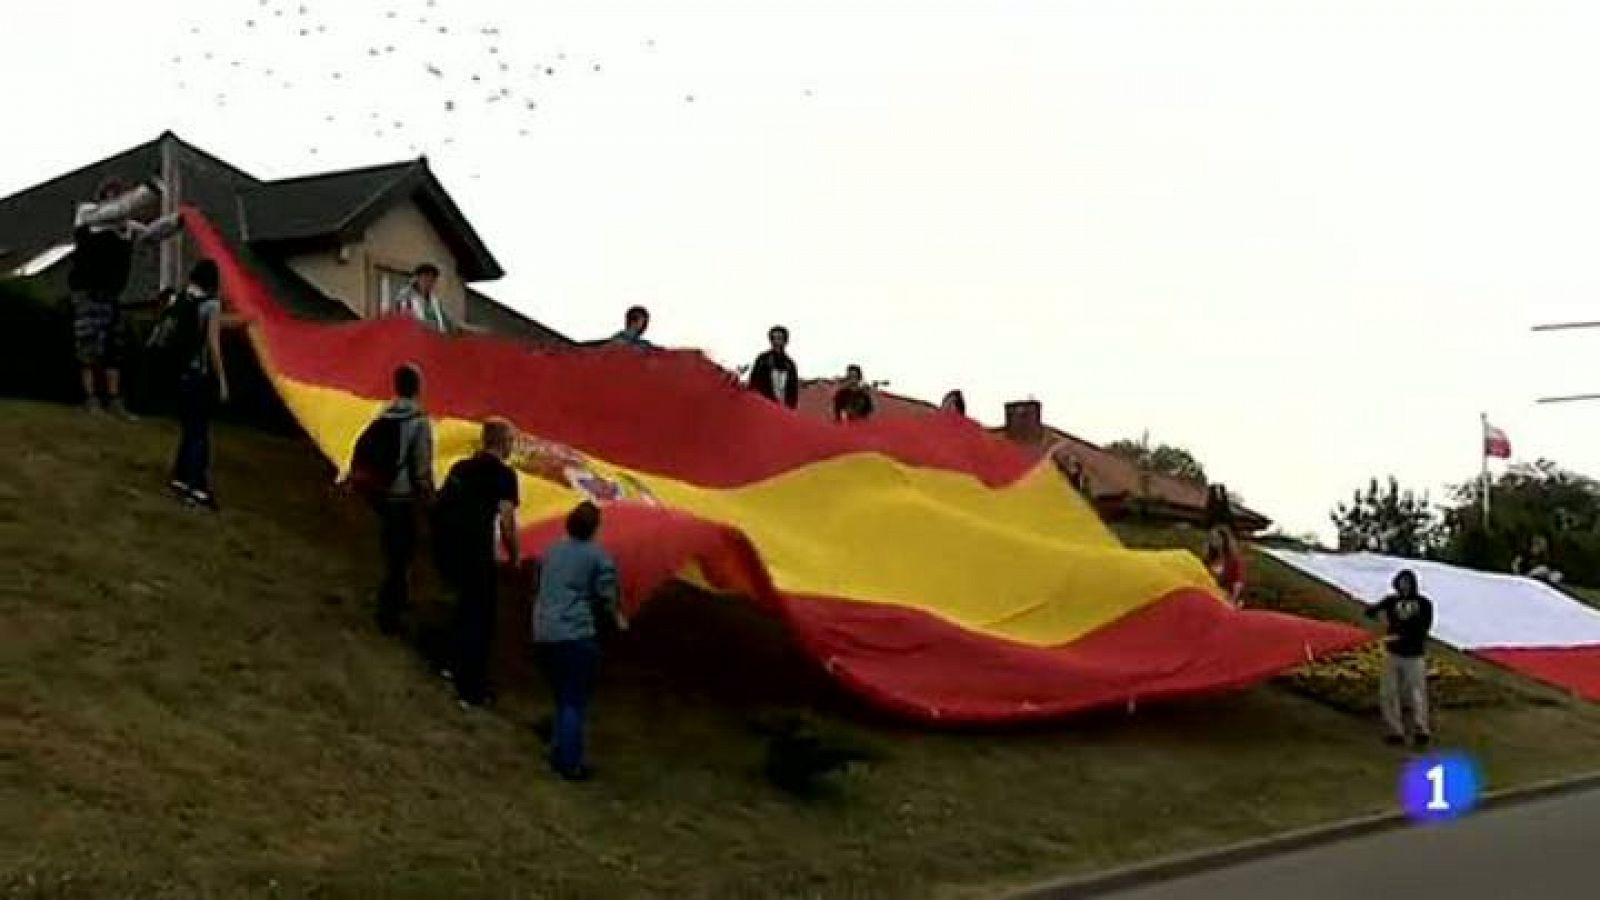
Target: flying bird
x=435 y=72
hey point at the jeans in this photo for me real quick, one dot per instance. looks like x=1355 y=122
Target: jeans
x=397 y=524
x=476 y=606
x=570 y=668
x=1404 y=689
x=197 y=397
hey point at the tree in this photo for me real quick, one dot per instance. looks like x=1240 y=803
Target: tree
x=1529 y=500
x=1163 y=459
x=1382 y=518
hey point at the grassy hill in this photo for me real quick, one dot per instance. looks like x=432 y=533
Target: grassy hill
x=197 y=705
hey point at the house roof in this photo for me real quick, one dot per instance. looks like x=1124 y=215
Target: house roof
x=260 y=219
x=337 y=207
x=486 y=312
x=1113 y=479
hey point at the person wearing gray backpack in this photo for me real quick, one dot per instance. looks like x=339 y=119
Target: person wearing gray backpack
x=392 y=468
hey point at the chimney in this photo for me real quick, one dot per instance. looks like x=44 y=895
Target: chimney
x=1025 y=422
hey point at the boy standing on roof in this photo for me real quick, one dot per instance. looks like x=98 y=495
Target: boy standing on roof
x=634 y=325
x=104 y=233
x=853 y=401
x=418 y=300
x=1405 y=672
x=774 y=374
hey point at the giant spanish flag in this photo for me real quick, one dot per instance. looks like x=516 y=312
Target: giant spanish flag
x=929 y=567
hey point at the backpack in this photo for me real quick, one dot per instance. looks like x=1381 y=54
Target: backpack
x=378 y=459
x=177 y=335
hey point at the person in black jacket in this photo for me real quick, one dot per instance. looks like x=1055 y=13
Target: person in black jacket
x=1405 y=672
x=774 y=374
x=852 y=402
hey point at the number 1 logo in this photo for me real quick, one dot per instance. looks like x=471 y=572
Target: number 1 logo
x=1436 y=788
x=1436 y=778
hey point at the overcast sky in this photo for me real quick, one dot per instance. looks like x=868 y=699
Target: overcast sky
x=1305 y=239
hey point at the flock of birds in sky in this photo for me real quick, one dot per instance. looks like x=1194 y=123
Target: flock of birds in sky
x=418 y=74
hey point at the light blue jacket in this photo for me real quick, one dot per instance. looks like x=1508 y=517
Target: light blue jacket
x=577 y=581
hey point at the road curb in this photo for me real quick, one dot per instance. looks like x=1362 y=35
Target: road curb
x=1170 y=867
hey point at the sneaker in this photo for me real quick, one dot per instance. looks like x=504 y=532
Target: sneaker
x=1394 y=740
x=93 y=407
x=204 y=498
x=116 y=407
x=580 y=774
x=1421 y=741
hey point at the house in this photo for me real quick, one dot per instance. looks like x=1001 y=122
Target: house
x=330 y=246
x=1119 y=488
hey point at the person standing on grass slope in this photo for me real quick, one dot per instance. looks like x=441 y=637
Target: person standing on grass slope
x=418 y=300
x=477 y=509
x=634 y=325
x=104 y=233
x=193 y=328
x=577 y=585
x=392 y=467
x=774 y=374
x=1405 y=673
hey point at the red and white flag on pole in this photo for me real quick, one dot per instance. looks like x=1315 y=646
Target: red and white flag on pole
x=1495 y=443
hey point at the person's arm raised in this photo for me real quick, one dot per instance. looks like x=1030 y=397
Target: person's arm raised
x=508 y=533
x=214 y=347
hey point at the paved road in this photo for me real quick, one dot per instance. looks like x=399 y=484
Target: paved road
x=1542 y=850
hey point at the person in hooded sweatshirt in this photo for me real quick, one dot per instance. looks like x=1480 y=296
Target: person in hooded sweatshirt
x=105 y=231
x=400 y=510
x=1403 y=694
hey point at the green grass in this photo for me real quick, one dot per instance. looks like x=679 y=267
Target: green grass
x=199 y=706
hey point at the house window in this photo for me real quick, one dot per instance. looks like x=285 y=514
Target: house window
x=387 y=284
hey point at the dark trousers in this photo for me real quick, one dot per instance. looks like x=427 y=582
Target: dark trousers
x=397 y=527
x=476 y=601
x=570 y=668
x=196 y=401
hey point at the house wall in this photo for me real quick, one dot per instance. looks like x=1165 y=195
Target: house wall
x=401 y=240
x=343 y=281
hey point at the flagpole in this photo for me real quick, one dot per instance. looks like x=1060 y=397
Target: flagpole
x=1483 y=460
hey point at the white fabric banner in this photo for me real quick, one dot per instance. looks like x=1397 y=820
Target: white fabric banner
x=1471 y=610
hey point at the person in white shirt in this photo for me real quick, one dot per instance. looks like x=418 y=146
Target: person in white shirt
x=105 y=232
x=774 y=374
x=418 y=300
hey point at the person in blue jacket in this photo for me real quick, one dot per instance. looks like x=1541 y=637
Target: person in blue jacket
x=577 y=587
